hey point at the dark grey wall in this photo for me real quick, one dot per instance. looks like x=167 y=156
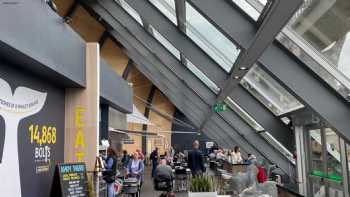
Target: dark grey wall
x=52 y=114
x=181 y=141
x=40 y=43
x=115 y=91
x=30 y=27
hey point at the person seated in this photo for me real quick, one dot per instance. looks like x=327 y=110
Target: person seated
x=220 y=155
x=163 y=176
x=251 y=159
x=236 y=156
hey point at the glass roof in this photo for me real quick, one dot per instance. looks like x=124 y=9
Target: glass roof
x=130 y=11
x=167 y=7
x=210 y=39
x=320 y=31
x=269 y=92
x=189 y=64
x=256 y=126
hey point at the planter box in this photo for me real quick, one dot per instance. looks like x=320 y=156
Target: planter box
x=202 y=194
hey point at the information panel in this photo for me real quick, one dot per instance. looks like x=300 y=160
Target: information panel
x=73 y=180
x=31 y=132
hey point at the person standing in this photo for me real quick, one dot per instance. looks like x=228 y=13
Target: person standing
x=195 y=160
x=110 y=171
x=136 y=168
x=154 y=158
x=125 y=159
x=141 y=155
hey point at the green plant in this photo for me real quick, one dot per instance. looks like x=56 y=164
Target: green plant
x=202 y=183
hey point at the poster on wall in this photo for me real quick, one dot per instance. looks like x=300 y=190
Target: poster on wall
x=31 y=133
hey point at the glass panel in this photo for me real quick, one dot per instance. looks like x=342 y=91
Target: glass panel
x=285 y=120
x=316 y=152
x=277 y=145
x=348 y=159
x=263 y=87
x=325 y=25
x=318 y=189
x=243 y=114
x=131 y=11
x=202 y=76
x=189 y=64
x=167 y=7
x=165 y=42
x=334 y=168
x=248 y=8
x=335 y=192
x=211 y=40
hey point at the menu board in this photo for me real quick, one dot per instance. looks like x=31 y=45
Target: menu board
x=73 y=179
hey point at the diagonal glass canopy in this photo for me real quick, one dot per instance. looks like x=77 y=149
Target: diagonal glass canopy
x=210 y=84
x=319 y=31
x=269 y=92
x=203 y=33
x=224 y=52
x=257 y=127
x=210 y=39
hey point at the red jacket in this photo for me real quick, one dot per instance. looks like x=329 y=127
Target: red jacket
x=262 y=177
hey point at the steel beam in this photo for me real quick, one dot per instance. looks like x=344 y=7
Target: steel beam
x=283 y=66
x=251 y=138
x=176 y=93
x=103 y=38
x=153 y=76
x=183 y=43
x=273 y=21
x=229 y=141
x=127 y=69
x=222 y=140
x=264 y=117
x=114 y=15
x=180 y=8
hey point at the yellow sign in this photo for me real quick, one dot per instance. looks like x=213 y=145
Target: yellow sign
x=79 y=138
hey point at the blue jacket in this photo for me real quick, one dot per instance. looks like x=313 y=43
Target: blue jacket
x=140 y=170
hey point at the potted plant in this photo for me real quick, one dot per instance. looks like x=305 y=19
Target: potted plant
x=202 y=186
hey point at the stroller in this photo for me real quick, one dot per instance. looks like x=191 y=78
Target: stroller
x=163 y=183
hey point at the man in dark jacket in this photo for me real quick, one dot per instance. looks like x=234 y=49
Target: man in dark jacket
x=195 y=160
x=154 y=158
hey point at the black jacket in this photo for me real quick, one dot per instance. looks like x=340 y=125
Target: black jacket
x=195 y=161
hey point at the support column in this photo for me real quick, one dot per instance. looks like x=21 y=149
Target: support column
x=345 y=168
x=104 y=128
x=301 y=159
x=82 y=114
